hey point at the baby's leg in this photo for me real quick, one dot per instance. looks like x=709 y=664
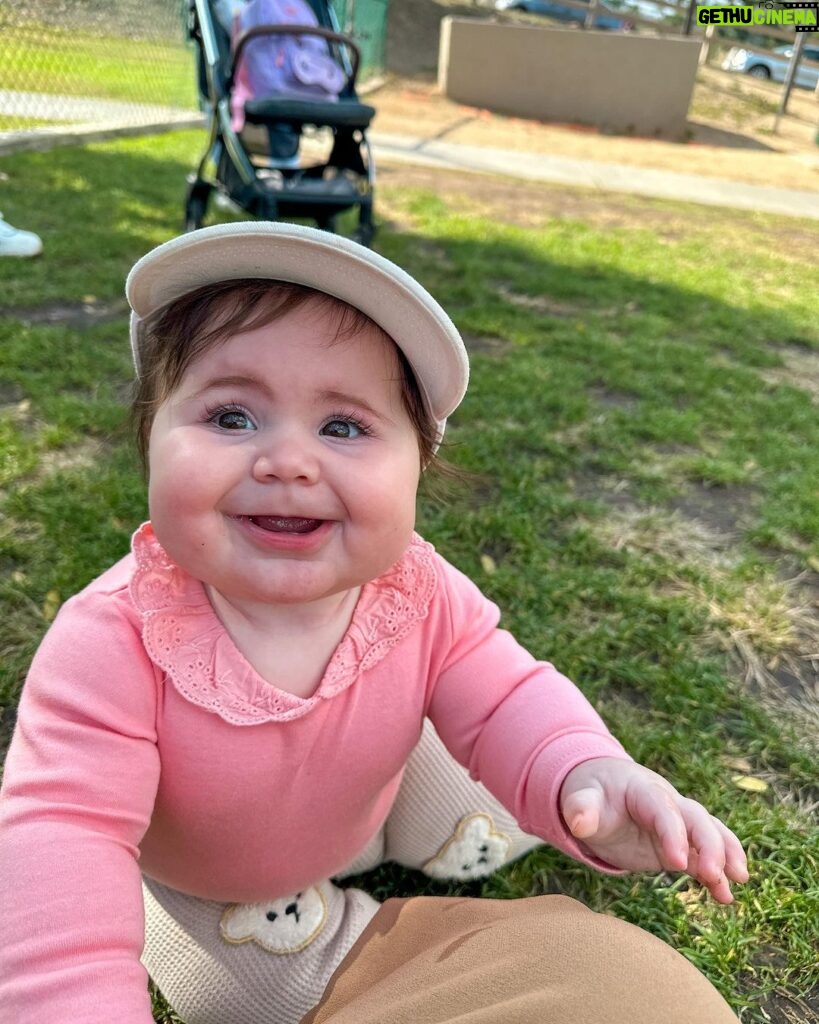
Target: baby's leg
x=542 y=960
x=445 y=823
x=244 y=964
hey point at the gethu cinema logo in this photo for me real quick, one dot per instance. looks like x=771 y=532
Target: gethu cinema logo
x=765 y=14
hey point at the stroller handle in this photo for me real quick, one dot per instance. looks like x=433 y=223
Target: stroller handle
x=301 y=30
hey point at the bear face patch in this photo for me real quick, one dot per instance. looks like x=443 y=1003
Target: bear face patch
x=474 y=851
x=281 y=926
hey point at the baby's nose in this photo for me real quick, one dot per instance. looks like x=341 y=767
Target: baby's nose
x=287 y=456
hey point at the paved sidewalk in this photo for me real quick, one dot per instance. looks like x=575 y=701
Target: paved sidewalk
x=77 y=120
x=609 y=177
x=111 y=118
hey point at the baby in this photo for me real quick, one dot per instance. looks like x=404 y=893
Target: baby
x=283 y=684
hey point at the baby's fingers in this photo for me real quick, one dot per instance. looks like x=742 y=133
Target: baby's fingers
x=736 y=863
x=656 y=812
x=715 y=854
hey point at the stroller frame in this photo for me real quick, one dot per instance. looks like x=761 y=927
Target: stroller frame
x=317 y=192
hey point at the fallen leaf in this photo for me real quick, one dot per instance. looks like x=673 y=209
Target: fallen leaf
x=739 y=764
x=488 y=564
x=51 y=605
x=750 y=783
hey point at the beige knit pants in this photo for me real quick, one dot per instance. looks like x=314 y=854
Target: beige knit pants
x=269 y=963
x=424 y=960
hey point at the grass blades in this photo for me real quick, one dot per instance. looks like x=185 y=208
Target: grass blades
x=642 y=435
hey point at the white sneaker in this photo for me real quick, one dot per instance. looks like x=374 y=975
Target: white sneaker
x=14 y=242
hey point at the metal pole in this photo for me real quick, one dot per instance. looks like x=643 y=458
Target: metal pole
x=796 y=55
x=689 y=17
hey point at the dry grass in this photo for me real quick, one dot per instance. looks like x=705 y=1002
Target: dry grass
x=801 y=370
x=769 y=628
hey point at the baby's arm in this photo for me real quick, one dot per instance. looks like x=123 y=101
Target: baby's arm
x=79 y=786
x=634 y=819
x=533 y=739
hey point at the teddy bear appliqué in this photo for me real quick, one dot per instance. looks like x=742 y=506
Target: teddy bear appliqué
x=283 y=926
x=474 y=851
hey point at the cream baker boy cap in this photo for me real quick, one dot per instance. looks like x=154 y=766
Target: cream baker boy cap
x=329 y=263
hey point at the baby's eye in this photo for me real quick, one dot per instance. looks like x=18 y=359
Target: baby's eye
x=344 y=427
x=231 y=419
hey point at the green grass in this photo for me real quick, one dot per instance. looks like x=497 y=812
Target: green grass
x=642 y=423
x=13 y=123
x=51 y=59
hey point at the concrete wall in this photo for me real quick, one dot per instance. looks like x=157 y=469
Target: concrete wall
x=616 y=81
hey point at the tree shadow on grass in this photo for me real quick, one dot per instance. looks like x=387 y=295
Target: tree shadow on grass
x=101 y=208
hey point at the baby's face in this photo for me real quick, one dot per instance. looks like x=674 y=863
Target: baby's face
x=284 y=468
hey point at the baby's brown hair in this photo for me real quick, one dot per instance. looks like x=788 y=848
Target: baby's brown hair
x=177 y=335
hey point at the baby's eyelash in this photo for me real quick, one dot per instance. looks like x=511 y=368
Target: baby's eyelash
x=352 y=417
x=213 y=415
x=211 y=412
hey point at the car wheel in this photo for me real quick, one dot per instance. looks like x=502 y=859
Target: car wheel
x=759 y=71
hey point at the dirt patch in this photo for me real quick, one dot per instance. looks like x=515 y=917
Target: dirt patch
x=77 y=315
x=792 y=1010
x=535 y=204
x=417 y=109
x=487 y=344
x=721 y=509
x=801 y=370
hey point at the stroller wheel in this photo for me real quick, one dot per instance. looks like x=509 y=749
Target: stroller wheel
x=196 y=205
x=363 y=234
x=326 y=224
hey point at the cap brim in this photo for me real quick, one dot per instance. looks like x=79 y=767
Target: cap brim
x=328 y=263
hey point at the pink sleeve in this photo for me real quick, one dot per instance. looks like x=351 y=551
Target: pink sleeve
x=79 y=787
x=517 y=724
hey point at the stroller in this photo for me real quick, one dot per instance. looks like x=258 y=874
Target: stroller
x=235 y=163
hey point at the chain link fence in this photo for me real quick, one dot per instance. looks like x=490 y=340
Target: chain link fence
x=72 y=66
x=79 y=69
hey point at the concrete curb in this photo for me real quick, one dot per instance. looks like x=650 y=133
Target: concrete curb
x=603 y=177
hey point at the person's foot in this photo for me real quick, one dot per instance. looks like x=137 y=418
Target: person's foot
x=14 y=242
x=286 y=163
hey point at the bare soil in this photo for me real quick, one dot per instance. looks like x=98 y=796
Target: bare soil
x=730 y=129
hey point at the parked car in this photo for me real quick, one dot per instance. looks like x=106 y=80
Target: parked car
x=607 y=19
x=773 y=65
x=648 y=10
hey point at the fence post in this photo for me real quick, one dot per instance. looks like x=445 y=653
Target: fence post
x=705 y=49
x=796 y=55
x=689 y=17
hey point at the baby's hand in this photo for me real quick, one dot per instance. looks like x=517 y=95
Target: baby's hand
x=632 y=818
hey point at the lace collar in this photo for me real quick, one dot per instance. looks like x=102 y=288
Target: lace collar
x=184 y=637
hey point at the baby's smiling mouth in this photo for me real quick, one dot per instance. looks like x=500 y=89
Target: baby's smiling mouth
x=285 y=524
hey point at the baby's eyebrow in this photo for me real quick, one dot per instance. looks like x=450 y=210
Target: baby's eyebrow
x=328 y=395
x=343 y=398
x=236 y=380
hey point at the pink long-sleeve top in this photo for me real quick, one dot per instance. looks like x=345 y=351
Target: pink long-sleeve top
x=145 y=742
